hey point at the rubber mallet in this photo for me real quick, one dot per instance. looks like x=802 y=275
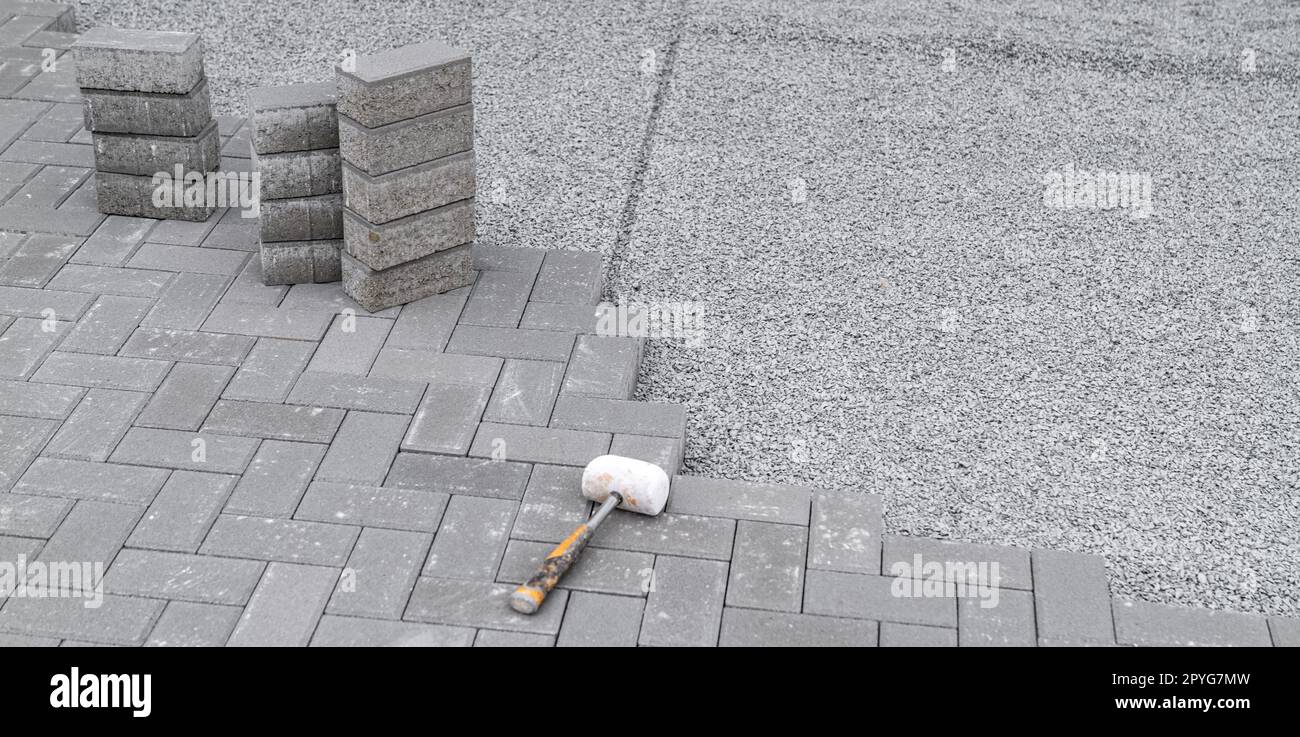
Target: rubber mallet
x=611 y=481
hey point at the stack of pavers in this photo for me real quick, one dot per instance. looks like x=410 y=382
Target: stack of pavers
x=406 y=132
x=146 y=105
x=295 y=134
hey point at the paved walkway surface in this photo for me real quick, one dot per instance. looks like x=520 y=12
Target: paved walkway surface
x=273 y=466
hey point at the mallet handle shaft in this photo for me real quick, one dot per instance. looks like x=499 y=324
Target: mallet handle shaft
x=529 y=596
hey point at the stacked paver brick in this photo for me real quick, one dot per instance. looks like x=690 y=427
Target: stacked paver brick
x=406 y=132
x=295 y=137
x=147 y=107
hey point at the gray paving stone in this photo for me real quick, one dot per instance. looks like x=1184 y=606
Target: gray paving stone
x=107 y=325
x=685 y=607
x=498 y=299
x=60 y=122
x=1071 y=598
x=895 y=634
x=1159 y=625
x=50 y=187
x=299 y=173
x=11 y=547
x=121 y=620
x=181 y=514
x=364 y=448
x=302 y=219
x=113 y=241
x=199 y=578
x=249 y=288
x=289 y=541
x=351 y=345
x=665 y=453
x=285 y=607
x=433 y=274
x=251 y=319
x=182 y=232
x=93 y=532
x=538 y=444
x=50 y=154
x=276 y=479
x=446 y=419
x=450 y=475
x=553 y=505
x=1010 y=623
x=480 y=604
x=500 y=638
x=131 y=195
x=472 y=538
x=603 y=367
x=74 y=479
x=185 y=397
x=671 y=534
x=1013 y=570
x=387 y=197
x=373 y=506
x=436 y=368
x=330 y=299
x=277 y=421
x=560 y=317
x=190 y=259
x=427 y=324
x=767 y=566
x=357 y=632
x=380 y=574
x=31 y=516
x=603 y=571
x=384 y=245
x=65 y=221
x=188 y=345
x=570 y=277
x=188 y=624
x=846 y=532
x=600 y=620
x=1286 y=631
x=113 y=280
x=22 y=438
x=873 y=597
x=25 y=641
x=204 y=451
x=145 y=61
x=34 y=303
x=49 y=401
x=111 y=372
x=710 y=497
x=404 y=82
x=408 y=142
x=26 y=343
x=525 y=393
x=298 y=117
x=270 y=370
x=753 y=628
x=186 y=301
x=622 y=416
x=141 y=155
x=538 y=345
x=148 y=113
x=37 y=260
x=345 y=391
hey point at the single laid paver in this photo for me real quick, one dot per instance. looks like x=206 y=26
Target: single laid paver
x=472 y=538
x=26 y=344
x=447 y=419
x=755 y=628
x=966 y=563
x=603 y=367
x=684 y=608
x=703 y=496
x=284 y=609
x=31 y=516
x=880 y=598
x=671 y=534
x=538 y=444
x=581 y=319
x=552 y=506
x=1160 y=625
x=1071 y=598
x=1004 y=621
x=466 y=476
x=118 y=620
x=665 y=453
x=185 y=397
x=110 y=372
x=427 y=324
x=896 y=634
x=78 y=479
x=334 y=631
x=433 y=367
x=186 y=301
x=181 y=514
x=270 y=370
x=502 y=638
x=22 y=438
x=46 y=401
x=537 y=345
x=122 y=282
x=845 y=532
x=525 y=393
x=600 y=620
x=480 y=604
x=767 y=566
x=113 y=242
x=188 y=259
x=1285 y=631
x=619 y=415
x=276 y=421
x=351 y=345
x=275 y=479
x=498 y=299
x=204 y=451
x=190 y=624
x=91 y=535
x=570 y=277
x=107 y=325
x=289 y=541
x=345 y=391
x=179 y=576
x=260 y=321
x=600 y=570
x=373 y=506
x=364 y=448
x=189 y=346
x=380 y=574
x=52 y=303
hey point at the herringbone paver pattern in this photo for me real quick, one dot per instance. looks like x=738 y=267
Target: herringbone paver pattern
x=259 y=465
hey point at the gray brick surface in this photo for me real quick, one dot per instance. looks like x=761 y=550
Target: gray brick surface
x=472 y=538
x=569 y=277
x=559 y=317
x=480 y=604
x=538 y=444
x=121 y=620
x=1013 y=564
x=383 y=245
x=188 y=345
x=1285 y=631
x=446 y=419
x=602 y=571
x=539 y=345
x=553 y=505
x=380 y=574
x=740 y=500
x=501 y=638
x=603 y=367
x=156 y=114
x=1008 y=624
x=24 y=302
x=358 y=632
x=1071 y=598
x=278 y=421
x=289 y=541
x=364 y=448
x=49 y=401
x=276 y=479
x=31 y=516
x=186 y=301
x=685 y=607
x=895 y=634
x=113 y=241
x=428 y=323
x=672 y=534
x=188 y=624
x=22 y=438
x=93 y=532
x=433 y=274
x=181 y=514
x=201 y=578
x=185 y=397
x=144 y=61
x=107 y=325
x=351 y=345
x=372 y=506
x=37 y=260
x=660 y=419
x=298 y=117
x=355 y=392
x=600 y=620
x=408 y=142
x=845 y=532
x=74 y=479
x=525 y=392
x=405 y=82
x=873 y=597
x=25 y=344
x=177 y=449
x=1159 y=625
x=753 y=628
x=767 y=566
x=285 y=607
x=498 y=299
x=387 y=197
x=665 y=453
x=441 y=368
x=270 y=370
x=449 y=475
x=189 y=259
x=250 y=319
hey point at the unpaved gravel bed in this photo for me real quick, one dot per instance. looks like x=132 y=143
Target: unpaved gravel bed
x=919 y=325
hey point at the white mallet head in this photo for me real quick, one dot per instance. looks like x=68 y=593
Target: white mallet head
x=643 y=486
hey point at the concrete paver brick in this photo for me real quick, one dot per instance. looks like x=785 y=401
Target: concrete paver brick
x=270 y=370
x=767 y=566
x=1144 y=623
x=603 y=367
x=472 y=538
x=570 y=277
x=754 y=628
x=600 y=620
x=361 y=632
x=276 y=479
x=525 y=393
x=498 y=299
x=538 y=444
x=200 y=578
x=1009 y=623
x=685 y=606
x=190 y=624
x=31 y=516
x=740 y=500
x=619 y=415
x=278 y=421
x=188 y=345
x=75 y=479
x=372 y=506
x=181 y=514
x=480 y=604
x=895 y=634
x=289 y=541
x=204 y=451
x=845 y=532
x=185 y=397
x=380 y=574
x=107 y=325
x=285 y=607
x=964 y=561
x=1071 y=598
x=364 y=448
x=466 y=476
x=345 y=391
x=92 y=430
x=874 y=597
x=538 y=345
